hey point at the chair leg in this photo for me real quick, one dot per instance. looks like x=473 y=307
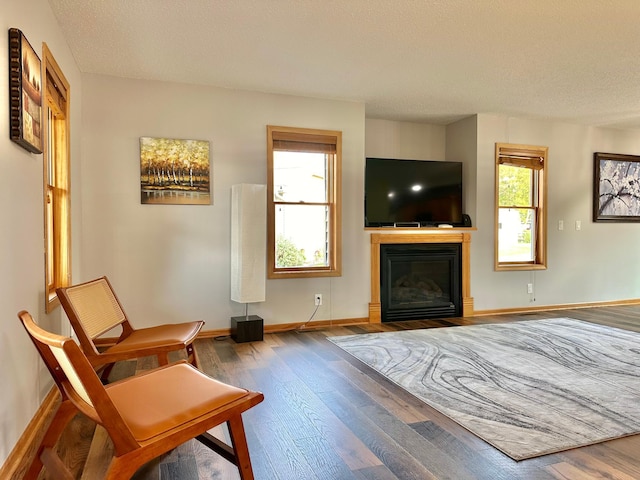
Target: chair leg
x=240 y=447
x=55 y=466
x=121 y=468
x=163 y=359
x=218 y=446
x=104 y=375
x=191 y=355
x=66 y=411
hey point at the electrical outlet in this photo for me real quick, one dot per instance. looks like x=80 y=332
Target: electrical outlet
x=317 y=298
x=529 y=287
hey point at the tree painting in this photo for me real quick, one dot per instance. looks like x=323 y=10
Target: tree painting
x=619 y=188
x=174 y=171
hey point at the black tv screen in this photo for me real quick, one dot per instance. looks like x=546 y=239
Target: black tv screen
x=412 y=193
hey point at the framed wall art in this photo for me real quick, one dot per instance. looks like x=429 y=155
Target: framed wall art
x=25 y=93
x=174 y=172
x=616 y=188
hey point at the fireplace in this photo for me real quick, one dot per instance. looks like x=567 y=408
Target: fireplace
x=419 y=281
x=461 y=238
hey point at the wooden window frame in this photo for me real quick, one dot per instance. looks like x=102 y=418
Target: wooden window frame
x=534 y=158
x=57 y=179
x=334 y=201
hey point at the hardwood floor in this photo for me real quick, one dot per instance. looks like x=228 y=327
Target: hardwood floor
x=327 y=416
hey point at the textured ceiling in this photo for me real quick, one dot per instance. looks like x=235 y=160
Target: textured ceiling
x=430 y=61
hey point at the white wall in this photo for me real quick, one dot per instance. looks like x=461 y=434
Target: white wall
x=23 y=377
x=404 y=140
x=172 y=263
x=462 y=146
x=599 y=263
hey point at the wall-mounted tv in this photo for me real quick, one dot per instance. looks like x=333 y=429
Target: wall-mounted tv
x=412 y=193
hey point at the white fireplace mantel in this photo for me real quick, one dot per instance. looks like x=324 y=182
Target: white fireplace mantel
x=428 y=236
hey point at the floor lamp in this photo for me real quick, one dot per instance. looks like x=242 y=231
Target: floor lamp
x=248 y=257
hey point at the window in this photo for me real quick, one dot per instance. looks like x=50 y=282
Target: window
x=303 y=192
x=521 y=209
x=57 y=214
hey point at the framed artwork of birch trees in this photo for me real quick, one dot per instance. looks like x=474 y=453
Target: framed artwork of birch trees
x=174 y=172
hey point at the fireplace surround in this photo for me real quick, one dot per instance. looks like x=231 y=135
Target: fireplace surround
x=431 y=236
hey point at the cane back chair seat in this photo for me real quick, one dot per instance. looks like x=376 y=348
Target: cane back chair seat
x=94 y=309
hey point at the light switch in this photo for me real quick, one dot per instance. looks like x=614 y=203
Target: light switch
x=560 y=225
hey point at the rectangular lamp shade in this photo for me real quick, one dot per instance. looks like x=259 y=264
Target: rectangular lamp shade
x=248 y=243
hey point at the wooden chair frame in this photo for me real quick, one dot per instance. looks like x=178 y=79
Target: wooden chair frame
x=93 y=309
x=111 y=406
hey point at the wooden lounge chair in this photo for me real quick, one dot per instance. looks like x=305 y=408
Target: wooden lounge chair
x=93 y=309
x=145 y=415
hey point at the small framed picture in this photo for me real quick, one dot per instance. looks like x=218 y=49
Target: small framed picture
x=25 y=92
x=616 y=188
x=174 y=171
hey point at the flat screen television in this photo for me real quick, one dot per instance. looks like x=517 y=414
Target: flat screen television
x=416 y=193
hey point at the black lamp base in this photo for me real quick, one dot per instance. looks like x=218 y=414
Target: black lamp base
x=247 y=329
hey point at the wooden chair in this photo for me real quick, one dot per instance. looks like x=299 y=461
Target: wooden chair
x=93 y=309
x=146 y=415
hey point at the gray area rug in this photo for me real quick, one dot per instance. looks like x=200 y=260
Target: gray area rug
x=528 y=388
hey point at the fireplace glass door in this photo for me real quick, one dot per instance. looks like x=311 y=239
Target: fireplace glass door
x=420 y=281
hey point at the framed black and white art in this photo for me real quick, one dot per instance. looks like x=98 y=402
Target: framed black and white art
x=616 y=188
